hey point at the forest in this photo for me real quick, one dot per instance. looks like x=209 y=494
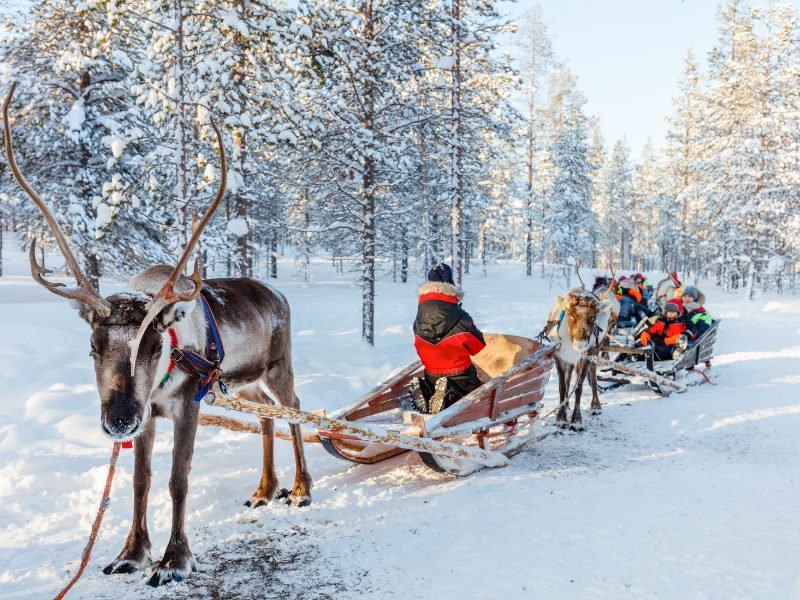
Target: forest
x=385 y=137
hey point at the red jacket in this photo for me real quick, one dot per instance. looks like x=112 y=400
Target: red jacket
x=444 y=334
x=669 y=331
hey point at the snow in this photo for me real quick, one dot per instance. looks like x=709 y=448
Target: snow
x=690 y=496
x=445 y=63
x=75 y=118
x=117 y=146
x=103 y=216
x=237 y=227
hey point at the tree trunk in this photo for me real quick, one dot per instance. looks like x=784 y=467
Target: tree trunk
x=273 y=254
x=368 y=205
x=457 y=151
x=91 y=264
x=181 y=133
x=244 y=258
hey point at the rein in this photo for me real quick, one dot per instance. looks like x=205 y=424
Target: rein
x=87 y=550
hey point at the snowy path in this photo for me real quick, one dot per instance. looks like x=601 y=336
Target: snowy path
x=693 y=496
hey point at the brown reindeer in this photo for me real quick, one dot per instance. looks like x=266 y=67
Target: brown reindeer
x=580 y=321
x=131 y=360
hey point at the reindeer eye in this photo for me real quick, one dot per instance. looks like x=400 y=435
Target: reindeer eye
x=92 y=349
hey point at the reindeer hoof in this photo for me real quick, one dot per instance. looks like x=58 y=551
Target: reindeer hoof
x=163 y=575
x=124 y=566
x=261 y=498
x=576 y=427
x=298 y=501
x=283 y=494
x=562 y=424
x=597 y=411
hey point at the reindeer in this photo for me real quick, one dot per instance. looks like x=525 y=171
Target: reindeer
x=580 y=320
x=133 y=341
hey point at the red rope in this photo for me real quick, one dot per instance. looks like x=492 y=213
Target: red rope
x=87 y=551
x=706 y=377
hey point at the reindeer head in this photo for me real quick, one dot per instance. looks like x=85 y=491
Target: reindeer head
x=580 y=316
x=126 y=350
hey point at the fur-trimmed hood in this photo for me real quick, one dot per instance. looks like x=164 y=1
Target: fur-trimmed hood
x=438 y=287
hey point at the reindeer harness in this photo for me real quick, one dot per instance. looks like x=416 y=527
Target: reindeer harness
x=205 y=370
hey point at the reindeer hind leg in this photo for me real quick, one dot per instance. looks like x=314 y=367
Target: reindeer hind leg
x=280 y=379
x=268 y=485
x=576 y=422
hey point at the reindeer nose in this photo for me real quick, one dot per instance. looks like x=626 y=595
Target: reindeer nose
x=121 y=420
x=120 y=429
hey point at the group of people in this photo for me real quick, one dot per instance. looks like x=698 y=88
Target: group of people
x=445 y=336
x=682 y=319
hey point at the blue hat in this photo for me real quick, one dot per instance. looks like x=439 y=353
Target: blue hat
x=441 y=272
x=692 y=291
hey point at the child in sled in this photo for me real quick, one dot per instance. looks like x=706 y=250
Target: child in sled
x=445 y=337
x=669 y=335
x=696 y=314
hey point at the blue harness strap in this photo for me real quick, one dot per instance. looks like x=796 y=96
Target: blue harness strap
x=560 y=318
x=206 y=370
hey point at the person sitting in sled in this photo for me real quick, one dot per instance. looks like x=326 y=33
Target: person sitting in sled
x=630 y=302
x=644 y=287
x=696 y=314
x=669 y=335
x=445 y=337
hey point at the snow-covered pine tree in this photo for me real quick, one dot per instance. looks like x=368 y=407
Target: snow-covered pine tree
x=537 y=59
x=743 y=179
x=479 y=88
x=71 y=74
x=364 y=60
x=620 y=208
x=570 y=217
x=681 y=232
x=646 y=192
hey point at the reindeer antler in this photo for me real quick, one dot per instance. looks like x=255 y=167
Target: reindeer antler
x=84 y=291
x=167 y=295
x=578 y=272
x=611 y=284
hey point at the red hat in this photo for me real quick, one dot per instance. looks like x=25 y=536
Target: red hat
x=638 y=276
x=677 y=306
x=674 y=276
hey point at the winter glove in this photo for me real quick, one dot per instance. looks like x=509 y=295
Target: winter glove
x=644 y=339
x=672 y=340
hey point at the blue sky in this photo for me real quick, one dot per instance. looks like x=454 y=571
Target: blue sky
x=628 y=55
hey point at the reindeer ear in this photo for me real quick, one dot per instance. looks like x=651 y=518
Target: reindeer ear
x=86 y=312
x=172 y=314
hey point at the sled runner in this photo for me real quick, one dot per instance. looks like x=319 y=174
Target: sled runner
x=663 y=376
x=500 y=416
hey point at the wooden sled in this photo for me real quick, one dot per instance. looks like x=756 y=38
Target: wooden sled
x=662 y=376
x=498 y=417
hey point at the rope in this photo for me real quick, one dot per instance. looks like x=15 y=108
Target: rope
x=87 y=550
x=705 y=376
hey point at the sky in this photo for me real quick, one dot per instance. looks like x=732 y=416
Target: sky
x=628 y=56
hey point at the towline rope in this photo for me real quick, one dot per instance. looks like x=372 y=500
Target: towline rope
x=87 y=550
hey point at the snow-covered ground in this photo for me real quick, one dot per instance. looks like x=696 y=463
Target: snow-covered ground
x=691 y=496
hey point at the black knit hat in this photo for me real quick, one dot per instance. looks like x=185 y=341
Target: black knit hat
x=441 y=272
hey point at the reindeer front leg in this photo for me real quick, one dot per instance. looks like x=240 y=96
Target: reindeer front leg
x=178 y=561
x=576 y=422
x=135 y=554
x=596 y=407
x=564 y=375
